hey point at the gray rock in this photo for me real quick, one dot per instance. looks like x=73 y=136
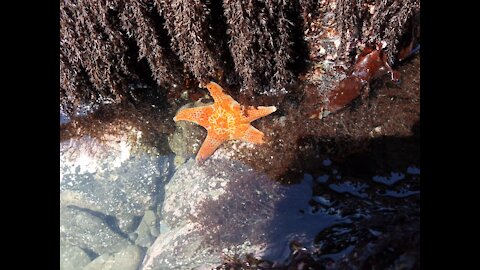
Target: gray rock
x=106 y=185
x=187 y=139
x=147 y=230
x=188 y=136
x=72 y=258
x=225 y=207
x=181 y=248
x=114 y=177
x=126 y=259
x=87 y=231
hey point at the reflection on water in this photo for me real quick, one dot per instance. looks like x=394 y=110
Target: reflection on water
x=64 y=118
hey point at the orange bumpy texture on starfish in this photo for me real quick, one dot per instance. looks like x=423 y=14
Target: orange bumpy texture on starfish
x=224 y=120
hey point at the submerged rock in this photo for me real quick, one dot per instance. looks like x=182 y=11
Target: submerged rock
x=187 y=138
x=128 y=258
x=147 y=230
x=226 y=208
x=87 y=231
x=72 y=258
x=111 y=177
x=106 y=186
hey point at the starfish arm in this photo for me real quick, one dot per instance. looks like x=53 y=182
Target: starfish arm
x=198 y=115
x=219 y=96
x=210 y=144
x=249 y=133
x=252 y=114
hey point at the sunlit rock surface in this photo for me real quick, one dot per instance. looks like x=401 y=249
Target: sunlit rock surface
x=225 y=207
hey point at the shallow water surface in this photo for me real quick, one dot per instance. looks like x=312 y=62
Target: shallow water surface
x=121 y=201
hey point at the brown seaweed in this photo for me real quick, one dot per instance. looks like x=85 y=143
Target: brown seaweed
x=371 y=63
x=255 y=47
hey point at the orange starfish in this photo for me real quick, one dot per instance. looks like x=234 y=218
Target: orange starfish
x=224 y=120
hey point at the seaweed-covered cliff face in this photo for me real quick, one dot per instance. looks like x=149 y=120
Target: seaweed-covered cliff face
x=109 y=48
x=106 y=46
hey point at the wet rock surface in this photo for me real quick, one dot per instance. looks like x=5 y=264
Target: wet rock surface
x=72 y=258
x=225 y=207
x=383 y=209
x=224 y=210
x=84 y=229
x=107 y=177
x=109 y=190
x=128 y=258
x=147 y=230
x=186 y=141
x=374 y=229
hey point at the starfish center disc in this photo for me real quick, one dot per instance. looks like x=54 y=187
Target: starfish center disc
x=222 y=121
